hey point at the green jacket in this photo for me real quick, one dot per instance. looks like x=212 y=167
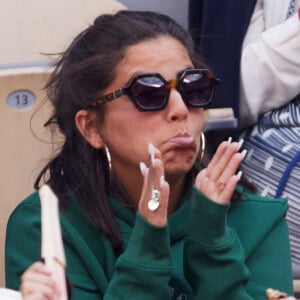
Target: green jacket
x=207 y=251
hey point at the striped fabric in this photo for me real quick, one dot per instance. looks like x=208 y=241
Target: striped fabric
x=273 y=161
x=291 y=9
x=273 y=164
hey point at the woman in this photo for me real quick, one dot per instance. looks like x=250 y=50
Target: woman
x=150 y=225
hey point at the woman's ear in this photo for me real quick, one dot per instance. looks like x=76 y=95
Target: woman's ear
x=86 y=123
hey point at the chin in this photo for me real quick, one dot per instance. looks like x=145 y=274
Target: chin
x=178 y=169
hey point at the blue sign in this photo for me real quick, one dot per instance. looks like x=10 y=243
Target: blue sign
x=21 y=99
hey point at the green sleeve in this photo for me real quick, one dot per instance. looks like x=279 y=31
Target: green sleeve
x=270 y=263
x=215 y=260
x=23 y=248
x=144 y=270
x=261 y=226
x=23 y=243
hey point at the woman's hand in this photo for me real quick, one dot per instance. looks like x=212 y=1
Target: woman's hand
x=37 y=283
x=276 y=295
x=154 y=186
x=218 y=181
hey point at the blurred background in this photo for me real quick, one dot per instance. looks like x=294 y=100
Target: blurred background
x=177 y=9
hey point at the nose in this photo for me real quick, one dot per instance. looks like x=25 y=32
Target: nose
x=176 y=108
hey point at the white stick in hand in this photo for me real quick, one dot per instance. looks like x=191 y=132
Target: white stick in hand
x=52 y=245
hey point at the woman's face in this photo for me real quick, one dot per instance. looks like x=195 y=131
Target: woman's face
x=175 y=130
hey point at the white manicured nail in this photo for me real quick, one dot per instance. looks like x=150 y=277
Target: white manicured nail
x=151 y=151
x=229 y=141
x=241 y=142
x=143 y=167
x=239 y=175
x=244 y=153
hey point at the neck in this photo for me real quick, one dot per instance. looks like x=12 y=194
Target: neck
x=177 y=186
x=129 y=189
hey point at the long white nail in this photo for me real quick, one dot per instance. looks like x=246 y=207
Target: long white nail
x=244 y=153
x=143 y=167
x=151 y=151
x=229 y=141
x=240 y=144
x=161 y=180
x=239 y=175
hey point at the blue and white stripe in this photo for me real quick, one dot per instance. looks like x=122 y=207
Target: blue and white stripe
x=273 y=164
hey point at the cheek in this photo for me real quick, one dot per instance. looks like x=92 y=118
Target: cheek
x=125 y=127
x=197 y=120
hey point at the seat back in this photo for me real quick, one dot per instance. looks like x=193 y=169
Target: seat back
x=36 y=27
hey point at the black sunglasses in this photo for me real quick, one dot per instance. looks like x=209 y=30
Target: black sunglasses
x=150 y=91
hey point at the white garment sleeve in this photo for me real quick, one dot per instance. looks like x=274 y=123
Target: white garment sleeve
x=270 y=70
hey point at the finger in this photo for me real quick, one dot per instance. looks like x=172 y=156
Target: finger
x=154 y=187
x=36 y=296
x=226 y=194
x=214 y=191
x=37 y=278
x=156 y=169
x=159 y=216
x=156 y=216
x=222 y=157
x=222 y=164
x=217 y=156
x=34 y=288
x=153 y=154
x=39 y=267
x=38 y=274
x=232 y=166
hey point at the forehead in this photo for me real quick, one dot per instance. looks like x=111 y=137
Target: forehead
x=164 y=55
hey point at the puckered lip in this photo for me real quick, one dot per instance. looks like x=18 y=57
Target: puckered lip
x=182 y=141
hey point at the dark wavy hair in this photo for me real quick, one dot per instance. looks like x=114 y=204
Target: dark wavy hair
x=80 y=76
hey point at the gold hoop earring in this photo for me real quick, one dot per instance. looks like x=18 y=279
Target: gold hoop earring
x=201 y=154
x=108 y=156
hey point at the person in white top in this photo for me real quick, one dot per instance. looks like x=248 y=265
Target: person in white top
x=270 y=61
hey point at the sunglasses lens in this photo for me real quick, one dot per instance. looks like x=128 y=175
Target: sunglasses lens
x=149 y=93
x=196 y=88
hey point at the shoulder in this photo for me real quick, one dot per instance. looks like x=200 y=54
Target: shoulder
x=33 y=200
x=25 y=223
x=29 y=206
